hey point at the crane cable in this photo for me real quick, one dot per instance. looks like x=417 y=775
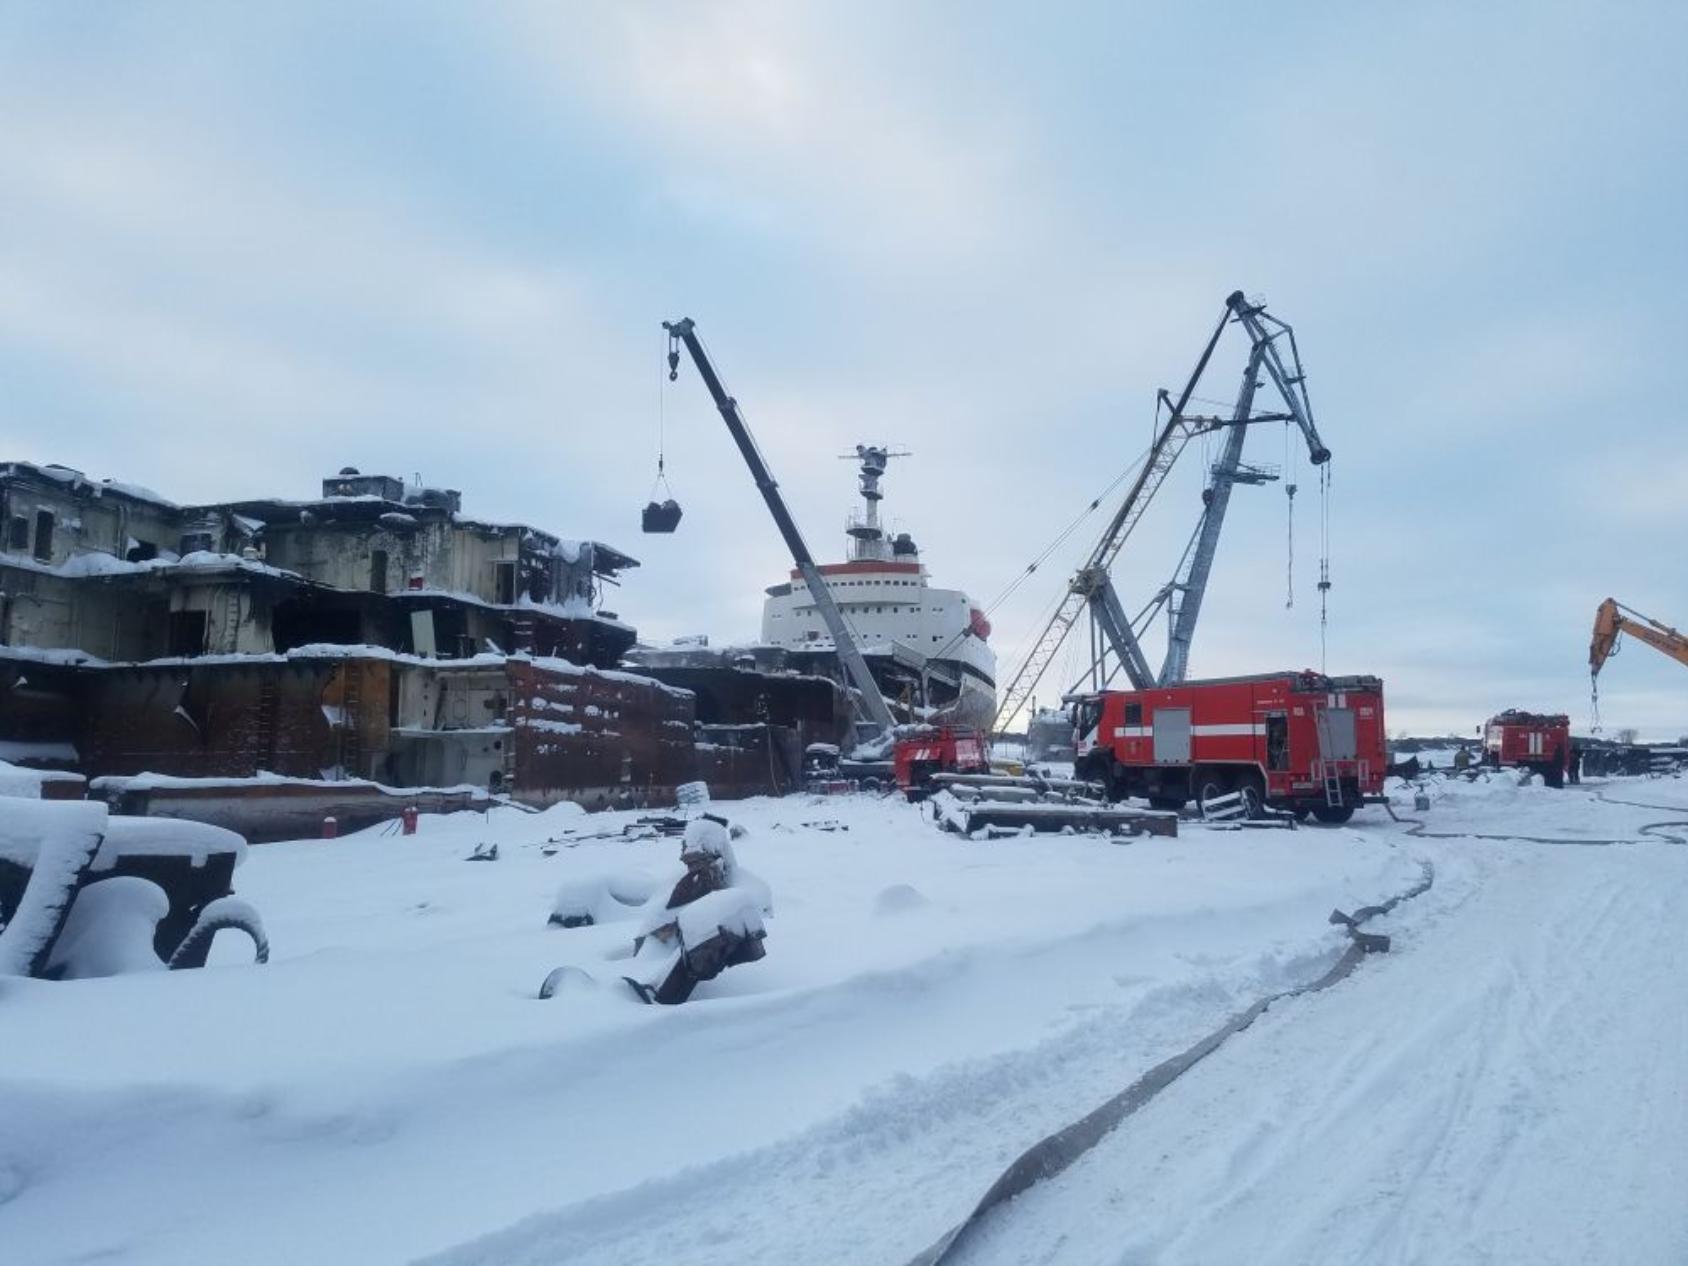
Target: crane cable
x=662 y=427
x=1594 y=685
x=1324 y=560
x=1289 y=489
x=1023 y=652
x=1061 y=537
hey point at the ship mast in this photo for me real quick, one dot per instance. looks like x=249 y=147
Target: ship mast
x=867 y=536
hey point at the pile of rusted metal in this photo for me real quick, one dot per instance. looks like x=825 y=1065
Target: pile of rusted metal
x=987 y=805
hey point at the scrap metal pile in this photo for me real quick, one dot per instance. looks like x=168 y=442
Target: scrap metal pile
x=988 y=805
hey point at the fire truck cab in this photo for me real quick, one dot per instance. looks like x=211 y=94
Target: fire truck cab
x=1540 y=742
x=934 y=749
x=1300 y=742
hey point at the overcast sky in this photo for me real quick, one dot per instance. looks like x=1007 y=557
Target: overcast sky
x=244 y=245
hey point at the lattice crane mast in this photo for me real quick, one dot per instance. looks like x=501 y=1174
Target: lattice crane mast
x=1091 y=587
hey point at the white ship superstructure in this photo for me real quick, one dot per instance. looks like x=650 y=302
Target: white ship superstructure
x=927 y=647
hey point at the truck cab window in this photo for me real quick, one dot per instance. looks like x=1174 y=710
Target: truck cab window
x=1086 y=714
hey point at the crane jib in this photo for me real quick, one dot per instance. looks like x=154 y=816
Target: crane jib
x=856 y=672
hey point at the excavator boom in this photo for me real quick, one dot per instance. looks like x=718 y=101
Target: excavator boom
x=1613 y=619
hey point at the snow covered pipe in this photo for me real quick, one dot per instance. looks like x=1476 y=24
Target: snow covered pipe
x=1055 y=1153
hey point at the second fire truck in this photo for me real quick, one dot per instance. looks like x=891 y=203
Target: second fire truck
x=1540 y=742
x=924 y=750
x=1299 y=742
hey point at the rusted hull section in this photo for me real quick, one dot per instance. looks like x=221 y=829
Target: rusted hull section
x=297 y=718
x=740 y=761
x=600 y=739
x=263 y=812
x=537 y=730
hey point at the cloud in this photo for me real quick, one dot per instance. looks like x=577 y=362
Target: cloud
x=776 y=121
x=251 y=248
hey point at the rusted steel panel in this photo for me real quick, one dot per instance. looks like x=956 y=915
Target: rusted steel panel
x=739 y=761
x=40 y=702
x=211 y=720
x=816 y=708
x=600 y=739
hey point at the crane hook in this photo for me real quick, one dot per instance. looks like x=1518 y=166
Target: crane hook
x=673 y=358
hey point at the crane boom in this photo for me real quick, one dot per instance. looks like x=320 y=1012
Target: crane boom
x=1189 y=590
x=849 y=655
x=1264 y=330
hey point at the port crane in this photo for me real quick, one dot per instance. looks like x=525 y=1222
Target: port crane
x=1611 y=620
x=1272 y=354
x=870 y=701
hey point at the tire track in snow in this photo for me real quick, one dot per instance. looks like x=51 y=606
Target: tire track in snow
x=1508 y=1088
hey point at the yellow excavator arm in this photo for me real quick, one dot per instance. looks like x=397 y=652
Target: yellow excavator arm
x=1613 y=619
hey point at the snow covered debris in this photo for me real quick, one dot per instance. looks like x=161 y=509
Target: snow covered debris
x=588 y=900
x=57 y=840
x=18 y=781
x=731 y=910
x=109 y=930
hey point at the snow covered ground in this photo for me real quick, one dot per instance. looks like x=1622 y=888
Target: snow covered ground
x=1506 y=1085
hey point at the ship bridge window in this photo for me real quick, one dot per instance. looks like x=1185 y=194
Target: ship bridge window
x=17 y=533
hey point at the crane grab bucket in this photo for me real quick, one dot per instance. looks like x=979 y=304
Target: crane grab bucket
x=661 y=516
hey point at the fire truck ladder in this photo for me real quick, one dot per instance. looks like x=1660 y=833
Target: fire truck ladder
x=1330 y=771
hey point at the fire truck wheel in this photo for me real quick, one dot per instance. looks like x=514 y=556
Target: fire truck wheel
x=1333 y=814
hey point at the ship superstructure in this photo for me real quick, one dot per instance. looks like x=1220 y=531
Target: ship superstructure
x=927 y=647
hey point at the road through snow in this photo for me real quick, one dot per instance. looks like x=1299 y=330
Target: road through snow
x=1510 y=1085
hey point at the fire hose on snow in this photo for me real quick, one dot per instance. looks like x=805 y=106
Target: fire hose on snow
x=1057 y=1152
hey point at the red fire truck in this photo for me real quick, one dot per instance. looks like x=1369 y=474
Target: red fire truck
x=1531 y=740
x=933 y=749
x=1300 y=742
